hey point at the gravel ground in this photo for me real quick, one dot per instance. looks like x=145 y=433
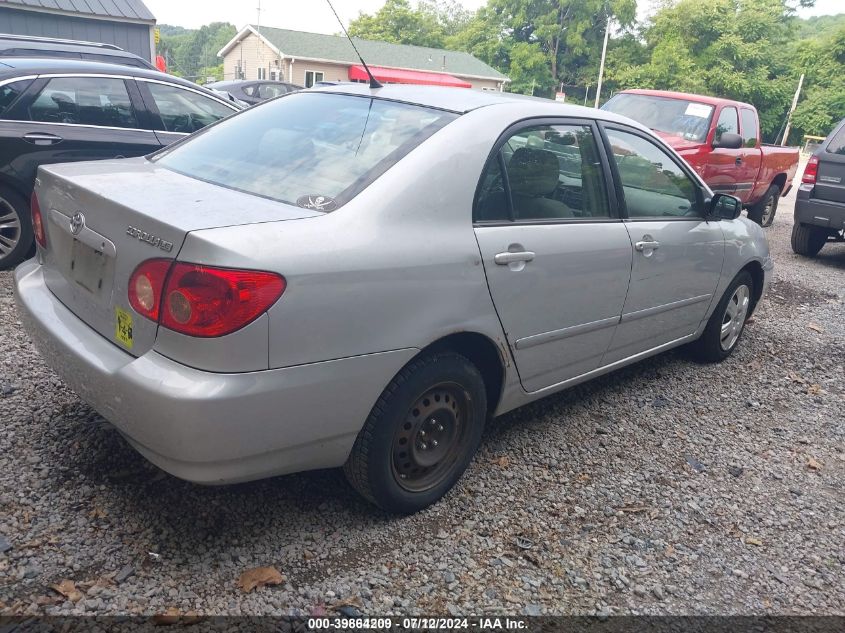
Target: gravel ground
x=668 y=487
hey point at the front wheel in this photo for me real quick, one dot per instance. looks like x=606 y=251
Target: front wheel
x=421 y=435
x=727 y=323
x=763 y=213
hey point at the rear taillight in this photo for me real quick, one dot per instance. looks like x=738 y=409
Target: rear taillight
x=200 y=300
x=146 y=286
x=37 y=221
x=811 y=171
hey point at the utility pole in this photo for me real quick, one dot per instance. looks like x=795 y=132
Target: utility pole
x=603 y=55
x=791 y=110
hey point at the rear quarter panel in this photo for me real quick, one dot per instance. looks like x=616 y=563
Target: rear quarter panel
x=776 y=162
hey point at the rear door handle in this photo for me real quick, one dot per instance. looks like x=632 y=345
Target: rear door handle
x=647 y=245
x=38 y=138
x=503 y=259
x=738 y=161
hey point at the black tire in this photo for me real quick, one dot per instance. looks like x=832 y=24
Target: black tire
x=808 y=240
x=709 y=347
x=757 y=212
x=18 y=230
x=374 y=466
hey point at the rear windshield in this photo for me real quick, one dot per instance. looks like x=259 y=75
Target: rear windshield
x=687 y=119
x=837 y=142
x=314 y=150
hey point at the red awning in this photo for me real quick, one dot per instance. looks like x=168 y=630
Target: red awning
x=396 y=76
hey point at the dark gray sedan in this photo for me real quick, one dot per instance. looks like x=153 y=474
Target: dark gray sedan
x=253 y=92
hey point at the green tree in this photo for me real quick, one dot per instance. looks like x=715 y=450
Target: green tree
x=823 y=62
x=191 y=51
x=543 y=43
x=398 y=22
x=738 y=49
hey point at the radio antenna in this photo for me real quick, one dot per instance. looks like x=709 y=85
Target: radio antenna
x=373 y=81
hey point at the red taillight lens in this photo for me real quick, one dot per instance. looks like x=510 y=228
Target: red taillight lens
x=146 y=286
x=37 y=221
x=811 y=171
x=200 y=300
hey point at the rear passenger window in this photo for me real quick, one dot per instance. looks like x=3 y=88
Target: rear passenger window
x=86 y=101
x=10 y=92
x=749 y=128
x=551 y=172
x=185 y=111
x=837 y=143
x=653 y=183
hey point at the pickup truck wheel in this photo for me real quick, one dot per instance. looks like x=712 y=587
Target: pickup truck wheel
x=808 y=240
x=763 y=213
x=15 y=228
x=421 y=434
x=727 y=323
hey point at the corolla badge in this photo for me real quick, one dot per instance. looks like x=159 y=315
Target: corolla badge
x=149 y=238
x=317 y=202
x=77 y=223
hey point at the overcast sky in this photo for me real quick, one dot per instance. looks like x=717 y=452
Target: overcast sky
x=314 y=15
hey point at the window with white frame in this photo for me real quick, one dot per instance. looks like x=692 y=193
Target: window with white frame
x=262 y=73
x=312 y=77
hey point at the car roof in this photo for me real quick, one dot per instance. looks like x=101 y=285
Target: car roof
x=669 y=94
x=462 y=100
x=11 y=67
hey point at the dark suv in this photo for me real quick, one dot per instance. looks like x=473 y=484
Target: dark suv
x=820 y=205
x=61 y=111
x=29 y=46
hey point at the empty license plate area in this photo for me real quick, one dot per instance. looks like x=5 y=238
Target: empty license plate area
x=88 y=267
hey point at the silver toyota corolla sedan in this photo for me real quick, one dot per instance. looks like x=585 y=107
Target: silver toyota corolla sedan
x=360 y=278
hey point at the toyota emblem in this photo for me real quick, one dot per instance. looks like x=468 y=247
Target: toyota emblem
x=77 y=223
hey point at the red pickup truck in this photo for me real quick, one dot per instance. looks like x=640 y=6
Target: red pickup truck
x=720 y=139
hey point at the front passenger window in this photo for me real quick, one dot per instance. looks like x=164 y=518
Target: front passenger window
x=101 y=101
x=654 y=184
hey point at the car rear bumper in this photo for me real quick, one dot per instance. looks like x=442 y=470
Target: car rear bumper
x=207 y=427
x=819 y=212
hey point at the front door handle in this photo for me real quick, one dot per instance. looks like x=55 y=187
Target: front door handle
x=647 y=245
x=503 y=259
x=38 y=138
x=738 y=161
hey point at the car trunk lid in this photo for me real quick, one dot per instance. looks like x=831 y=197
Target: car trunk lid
x=103 y=219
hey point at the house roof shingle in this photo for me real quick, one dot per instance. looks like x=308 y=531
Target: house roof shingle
x=119 y=9
x=338 y=48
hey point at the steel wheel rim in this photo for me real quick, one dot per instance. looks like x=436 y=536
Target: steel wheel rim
x=768 y=210
x=734 y=317
x=10 y=228
x=431 y=437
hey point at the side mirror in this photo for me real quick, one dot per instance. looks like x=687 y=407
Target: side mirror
x=728 y=140
x=725 y=207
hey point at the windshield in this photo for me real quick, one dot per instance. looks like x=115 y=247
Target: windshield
x=316 y=150
x=678 y=117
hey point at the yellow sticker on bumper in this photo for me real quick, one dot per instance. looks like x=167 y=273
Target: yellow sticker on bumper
x=123 y=328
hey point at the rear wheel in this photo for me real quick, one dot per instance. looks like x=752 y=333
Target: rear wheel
x=763 y=213
x=421 y=434
x=15 y=228
x=727 y=323
x=808 y=240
